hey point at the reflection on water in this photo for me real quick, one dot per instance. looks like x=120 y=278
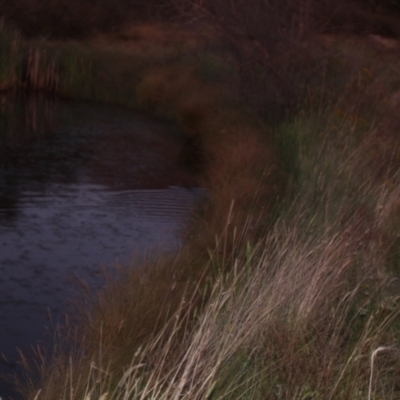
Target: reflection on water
x=80 y=187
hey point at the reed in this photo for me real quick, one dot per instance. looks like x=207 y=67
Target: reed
x=10 y=42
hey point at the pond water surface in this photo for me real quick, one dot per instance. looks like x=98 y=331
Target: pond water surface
x=81 y=186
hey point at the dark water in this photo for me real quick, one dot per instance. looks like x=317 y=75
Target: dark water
x=81 y=186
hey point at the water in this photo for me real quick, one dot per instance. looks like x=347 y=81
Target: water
x=81 y=186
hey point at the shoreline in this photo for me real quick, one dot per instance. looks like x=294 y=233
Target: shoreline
x=249 y=303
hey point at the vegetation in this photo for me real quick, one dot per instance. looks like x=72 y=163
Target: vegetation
x=288 y=287
x=79 y=19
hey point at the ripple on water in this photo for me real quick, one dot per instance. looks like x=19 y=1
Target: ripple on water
x=83 y=194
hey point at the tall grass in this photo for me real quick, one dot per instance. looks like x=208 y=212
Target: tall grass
x=10 y=42
x=287 y=299
x=303 y=313
x=295 y=318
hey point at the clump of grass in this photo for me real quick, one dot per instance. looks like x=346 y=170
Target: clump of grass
x=289 y=318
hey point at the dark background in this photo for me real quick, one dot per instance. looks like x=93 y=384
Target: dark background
x=81 y=18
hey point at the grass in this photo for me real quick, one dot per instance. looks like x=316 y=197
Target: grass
x=10 y=42
x=287 y=286
x=266 y=328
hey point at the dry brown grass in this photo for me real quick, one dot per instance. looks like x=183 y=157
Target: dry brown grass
x=289 y=318
x=294 y=314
